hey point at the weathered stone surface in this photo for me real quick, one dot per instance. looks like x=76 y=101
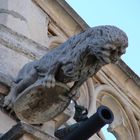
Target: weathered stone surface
x=38 y=104
x=69 y=21
x=25 y=18
x=20 y=129
x=6 y=79
x=125 y=124
x=19 y=49
x=20 y=43
x=131 y=74
x=28 y=137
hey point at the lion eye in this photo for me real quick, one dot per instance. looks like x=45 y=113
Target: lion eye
x=121 y=50
x=113 y=52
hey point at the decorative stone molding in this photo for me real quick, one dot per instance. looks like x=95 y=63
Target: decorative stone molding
x=123 y=84
x=69 y=22
x=13 y=13
x=19 y=49
x=18 y=130
x=125 y=125
x=20 y=43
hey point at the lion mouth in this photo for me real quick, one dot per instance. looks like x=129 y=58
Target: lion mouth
x=112 y=56
x=105 y=60
x=104 y=57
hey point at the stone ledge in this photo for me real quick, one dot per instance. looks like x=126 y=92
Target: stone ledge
x=129 y=72
x=20 y=129
x=20 y=43
x=75 y=16
x=69 y=21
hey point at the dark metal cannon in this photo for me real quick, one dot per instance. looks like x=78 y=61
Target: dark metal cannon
x=85 y=129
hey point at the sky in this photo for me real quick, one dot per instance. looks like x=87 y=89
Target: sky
x=124 y=14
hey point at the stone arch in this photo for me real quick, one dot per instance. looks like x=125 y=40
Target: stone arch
x=87 y=96
x=125 y=124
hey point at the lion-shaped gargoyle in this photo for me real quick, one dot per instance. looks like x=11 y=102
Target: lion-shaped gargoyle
x=79 y=58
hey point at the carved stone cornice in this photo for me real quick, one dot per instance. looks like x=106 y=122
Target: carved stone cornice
x=69 y=21
x=130 y=73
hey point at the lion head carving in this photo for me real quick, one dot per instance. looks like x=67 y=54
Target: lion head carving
x=108 y=43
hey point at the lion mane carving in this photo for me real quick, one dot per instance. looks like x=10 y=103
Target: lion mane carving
x=79 y=58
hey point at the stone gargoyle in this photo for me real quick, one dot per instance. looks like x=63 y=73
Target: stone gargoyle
x=79 y=58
